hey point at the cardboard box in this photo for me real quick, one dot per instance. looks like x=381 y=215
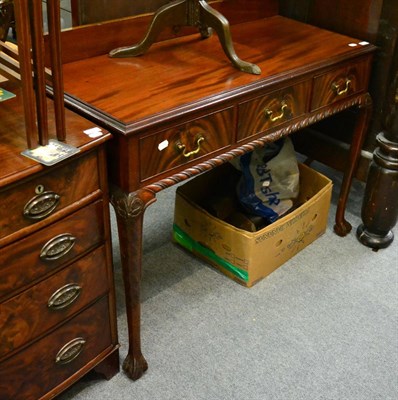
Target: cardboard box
x=246 y=256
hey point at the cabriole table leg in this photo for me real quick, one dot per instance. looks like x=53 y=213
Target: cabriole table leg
x=129 y=210
x=343 y=227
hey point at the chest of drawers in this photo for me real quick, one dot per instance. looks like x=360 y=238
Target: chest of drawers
x=57 y=302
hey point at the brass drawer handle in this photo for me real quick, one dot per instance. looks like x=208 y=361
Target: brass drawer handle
x=340 y=92
x=57 y=247
x=70 y=351
x=41 y=205
x=182 y=148
x=64 y=297
x=268 y=113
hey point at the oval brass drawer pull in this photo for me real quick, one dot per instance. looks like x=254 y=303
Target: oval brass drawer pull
x=64 y=297
x=182 y=148
x=340 y=92
x=70 y=351
x=269 y=113
x=41 y=205
x=57 y=247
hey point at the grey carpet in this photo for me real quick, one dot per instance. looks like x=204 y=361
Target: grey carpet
x=321 y=327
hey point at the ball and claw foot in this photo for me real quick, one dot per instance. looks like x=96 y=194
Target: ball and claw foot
x=342 y=228
x=135 y=367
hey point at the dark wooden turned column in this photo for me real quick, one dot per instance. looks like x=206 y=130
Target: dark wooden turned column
x=380 y=204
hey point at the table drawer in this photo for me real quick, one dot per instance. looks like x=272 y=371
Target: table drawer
x=33 y=200
x=45 y=364
x=339 y=84
x=38 y=254
x=181 y=144
x=33 y=312
x=273 y=109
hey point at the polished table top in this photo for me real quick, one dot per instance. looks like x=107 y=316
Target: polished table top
x=186 y=74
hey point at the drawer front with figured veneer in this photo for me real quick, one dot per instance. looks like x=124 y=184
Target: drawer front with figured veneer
x=36 y=199
x=53 y=359
x=177 y=146
x=36 y=255
x=339 y=84
x=273 y=109
x=38 y=309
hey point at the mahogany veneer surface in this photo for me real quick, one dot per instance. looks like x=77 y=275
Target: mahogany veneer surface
x=184 y=74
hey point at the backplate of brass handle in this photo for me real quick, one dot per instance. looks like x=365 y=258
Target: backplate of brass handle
x=64 y=296
x=41 y=205
x=57 y=247
x=182 y=148
x=338 y=91
x=70 y=351
x=269 y=113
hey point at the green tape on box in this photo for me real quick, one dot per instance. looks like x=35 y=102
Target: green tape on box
x=188 y=243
